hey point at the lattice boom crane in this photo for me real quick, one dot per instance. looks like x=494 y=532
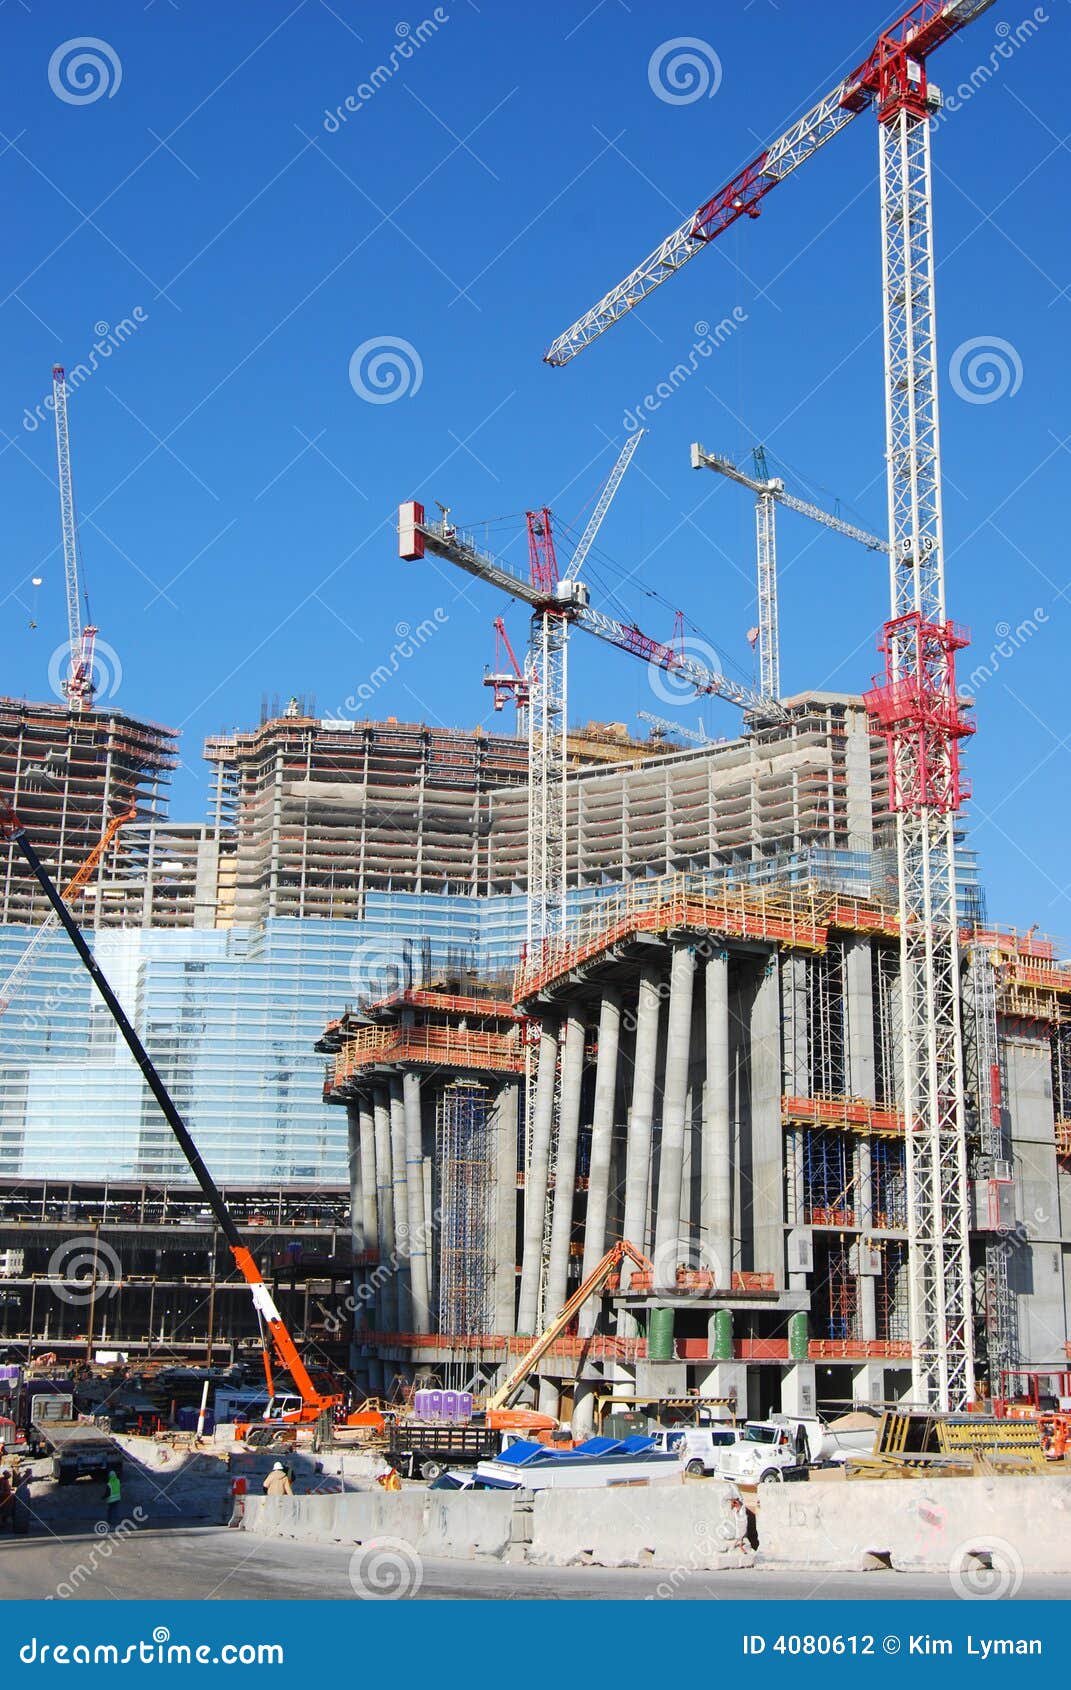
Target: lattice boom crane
x=770 y=492
x=78 y=687
x=908 y=42
x=915 y=705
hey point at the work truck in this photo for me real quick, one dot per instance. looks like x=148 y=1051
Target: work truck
x=80 y=1449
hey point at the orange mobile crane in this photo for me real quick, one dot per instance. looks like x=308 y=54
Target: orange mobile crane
x=275 y=1338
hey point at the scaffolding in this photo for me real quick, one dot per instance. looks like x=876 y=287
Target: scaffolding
x=885 y=979
x=892 y=1304
x=985 y=1088
x=825 y=1022
x=464 y=1146
x=828 y=1178
x=888 y=1174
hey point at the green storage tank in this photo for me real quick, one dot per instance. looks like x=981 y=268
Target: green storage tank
x=798 y=1343
x=721 y=1337
x=660 y=1335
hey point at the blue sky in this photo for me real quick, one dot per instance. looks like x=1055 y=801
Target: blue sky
x=237 y=493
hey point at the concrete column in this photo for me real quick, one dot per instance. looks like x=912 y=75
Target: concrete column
x=602 y=1135
x=868 y=1383
x=863 y=1204
x=798 y=1390
x=669 y=1249
x=561 y=1227
x=401 y=1206
x=717 y=1192
x=353 y=1136
x=583 y=1423
x=535 y=1180
x=505 y=1243
x=387 y=1279
x=797 y=1068
x=765 y=1184
x=859 y=1017
x=641 y=1112
x=369 y=1204
x=414 y=1183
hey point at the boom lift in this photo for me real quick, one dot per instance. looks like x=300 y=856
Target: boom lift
x=275 y=1338
x=594 y=1283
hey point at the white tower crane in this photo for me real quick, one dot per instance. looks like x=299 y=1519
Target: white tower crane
x=564 y=604
x=916 y=708
x=78 y=687
x=769 y=492
x=662 y=726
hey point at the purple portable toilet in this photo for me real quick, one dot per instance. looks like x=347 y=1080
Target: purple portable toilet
x=435 y=1404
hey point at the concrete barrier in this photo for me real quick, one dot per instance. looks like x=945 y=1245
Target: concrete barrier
x=467 y=1525
x=947 y=1525
x=337 y=1519
x=698 y=1527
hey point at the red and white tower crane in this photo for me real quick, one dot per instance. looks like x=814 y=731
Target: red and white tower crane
x=79 y=686
x=512 y=682
x=557 y=604
x=558 y=601
x=916 y=705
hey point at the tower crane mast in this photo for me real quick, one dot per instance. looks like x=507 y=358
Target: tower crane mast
x=915 y=705
x=770 y=492
x=555 y=611
x=78 y=687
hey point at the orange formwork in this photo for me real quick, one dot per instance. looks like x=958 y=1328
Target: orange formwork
x=799 y=918
x=373 y=1047
x=853 y=1114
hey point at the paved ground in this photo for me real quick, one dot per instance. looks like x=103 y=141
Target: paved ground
x=213 y=1563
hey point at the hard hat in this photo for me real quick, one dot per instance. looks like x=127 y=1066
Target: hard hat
x=278 y=1468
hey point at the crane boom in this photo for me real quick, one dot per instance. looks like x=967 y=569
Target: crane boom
x=591 y=1285
x=73 y=887
x=702 y=459
x=569 y=603
x=603 y=504
x=278 y=1337
x=79 y=684
x=919 y=31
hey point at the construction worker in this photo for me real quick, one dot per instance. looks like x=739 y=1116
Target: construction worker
x=277 y=1482
x=113 y=1494
x=389 y=1480
x=7 y=1501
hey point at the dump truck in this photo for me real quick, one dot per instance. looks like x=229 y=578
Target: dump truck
x=79 y=1449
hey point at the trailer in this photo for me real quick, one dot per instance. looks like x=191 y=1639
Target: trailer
x=422 y=1449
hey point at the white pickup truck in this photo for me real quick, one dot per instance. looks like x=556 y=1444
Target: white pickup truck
x=704 y=1448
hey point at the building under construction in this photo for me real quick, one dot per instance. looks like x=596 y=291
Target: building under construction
x=706 y=1063
x=712 y=1053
